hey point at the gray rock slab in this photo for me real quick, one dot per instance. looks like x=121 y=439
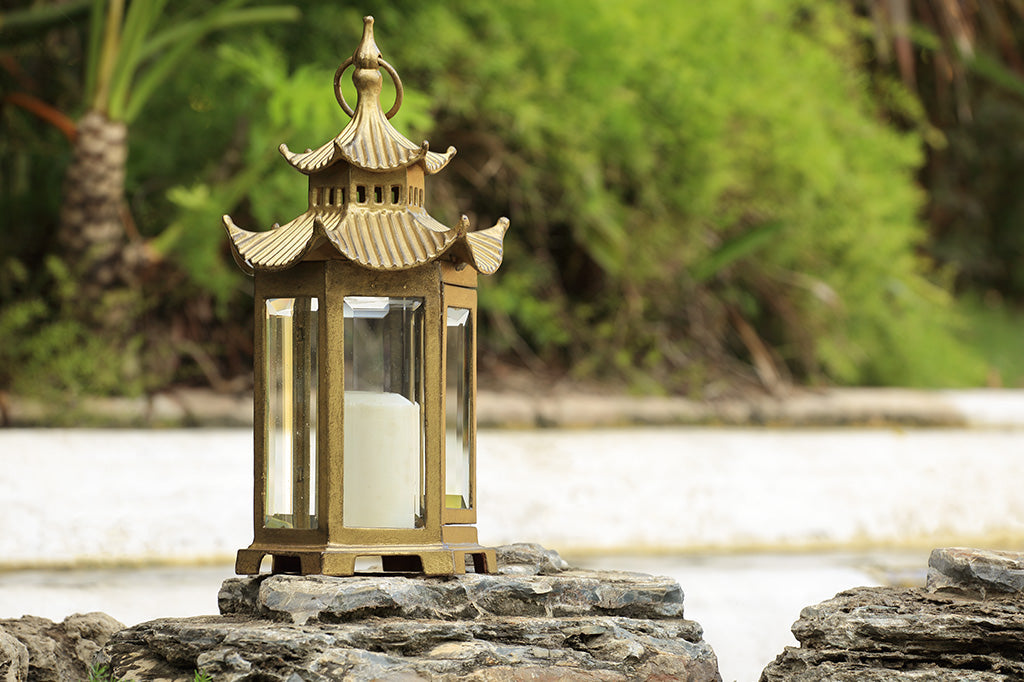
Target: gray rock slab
x=529 y=558
x=303 y=599
x=981 y=571
x=237 y=648
x=541 y=622
x=888 y=634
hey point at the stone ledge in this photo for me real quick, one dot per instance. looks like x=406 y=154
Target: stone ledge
x=233 y=648
x=537 y=621
x=958 y=629
x=304 y=599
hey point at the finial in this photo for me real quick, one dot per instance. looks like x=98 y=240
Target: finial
x=368 y=61
x=367 y=54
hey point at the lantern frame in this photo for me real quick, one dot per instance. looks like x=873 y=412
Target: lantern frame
x=366 y=233
x=446 y=538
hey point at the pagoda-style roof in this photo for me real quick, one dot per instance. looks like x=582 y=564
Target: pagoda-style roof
x=392 y=236
x=373 y=146
x=374 y=238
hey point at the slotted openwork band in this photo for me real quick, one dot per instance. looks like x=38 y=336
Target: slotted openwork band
x=399 y=92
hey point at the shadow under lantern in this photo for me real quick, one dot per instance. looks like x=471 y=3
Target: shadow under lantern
x=365 y=372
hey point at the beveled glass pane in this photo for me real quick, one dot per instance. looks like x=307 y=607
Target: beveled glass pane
x=291 y=384
x=457 y=410
x=383 y=423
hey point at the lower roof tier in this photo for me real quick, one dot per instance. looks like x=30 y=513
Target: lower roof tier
x=379 y=239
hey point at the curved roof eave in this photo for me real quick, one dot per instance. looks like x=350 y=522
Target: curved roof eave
x=275 y=249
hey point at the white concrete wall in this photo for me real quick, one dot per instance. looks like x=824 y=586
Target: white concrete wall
x=78 y=496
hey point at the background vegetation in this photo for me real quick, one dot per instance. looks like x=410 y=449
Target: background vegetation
x=703 y=196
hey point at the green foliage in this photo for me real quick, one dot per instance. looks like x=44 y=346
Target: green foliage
x=660 y=179
x=133 y=51
x=993 y=328
x=53 y=355
x=672 y=172
x=100 y=673
x=979 y=231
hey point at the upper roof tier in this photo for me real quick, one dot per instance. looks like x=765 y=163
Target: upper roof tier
x=369 y=141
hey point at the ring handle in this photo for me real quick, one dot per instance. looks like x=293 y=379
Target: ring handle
x=399 y=90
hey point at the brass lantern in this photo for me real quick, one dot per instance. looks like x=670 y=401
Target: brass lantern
x=365 y=376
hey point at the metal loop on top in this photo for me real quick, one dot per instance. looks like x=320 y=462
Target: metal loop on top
x=399 y=91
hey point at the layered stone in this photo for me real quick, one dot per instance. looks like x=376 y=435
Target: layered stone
x=967 y=625
x=533 y=621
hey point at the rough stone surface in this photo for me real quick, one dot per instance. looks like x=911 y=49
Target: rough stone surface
x=13 y=658
x=546 y=623
x=529 y=558
x=958 y=629
x=976 y=571
x=34 y=649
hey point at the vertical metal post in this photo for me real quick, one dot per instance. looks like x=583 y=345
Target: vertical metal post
x=302 y=358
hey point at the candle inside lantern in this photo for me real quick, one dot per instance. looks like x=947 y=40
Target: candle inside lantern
x=383 y=423
x=382 y=446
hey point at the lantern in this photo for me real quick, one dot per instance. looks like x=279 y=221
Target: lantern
x=365 y=371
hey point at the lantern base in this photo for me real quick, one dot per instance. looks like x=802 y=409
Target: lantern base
x=439 y=559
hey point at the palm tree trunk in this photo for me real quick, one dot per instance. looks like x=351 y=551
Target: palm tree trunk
x=92 y=230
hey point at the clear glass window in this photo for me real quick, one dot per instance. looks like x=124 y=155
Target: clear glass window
x=383 y=422
x=290 y=499
x=457 y=434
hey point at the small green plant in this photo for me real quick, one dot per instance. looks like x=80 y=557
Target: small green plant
x=100 y=673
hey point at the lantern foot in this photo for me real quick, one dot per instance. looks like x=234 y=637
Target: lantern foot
x=441 y=559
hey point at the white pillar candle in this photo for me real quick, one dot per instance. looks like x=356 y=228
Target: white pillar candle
x=382 y=463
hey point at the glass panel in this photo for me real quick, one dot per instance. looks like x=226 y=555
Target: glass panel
x=291 y=375
x=383 y=414
x=457 y=410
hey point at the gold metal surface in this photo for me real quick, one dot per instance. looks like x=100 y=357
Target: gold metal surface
x=366 y=233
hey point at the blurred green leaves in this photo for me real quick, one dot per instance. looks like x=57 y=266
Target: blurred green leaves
x=672 y=172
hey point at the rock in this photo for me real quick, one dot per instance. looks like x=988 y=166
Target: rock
x=961 y=628
x=981 y=571
x=541 y=622
x=39 y=650
x=324 y=599
x=529 y=558
x=13 y=658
